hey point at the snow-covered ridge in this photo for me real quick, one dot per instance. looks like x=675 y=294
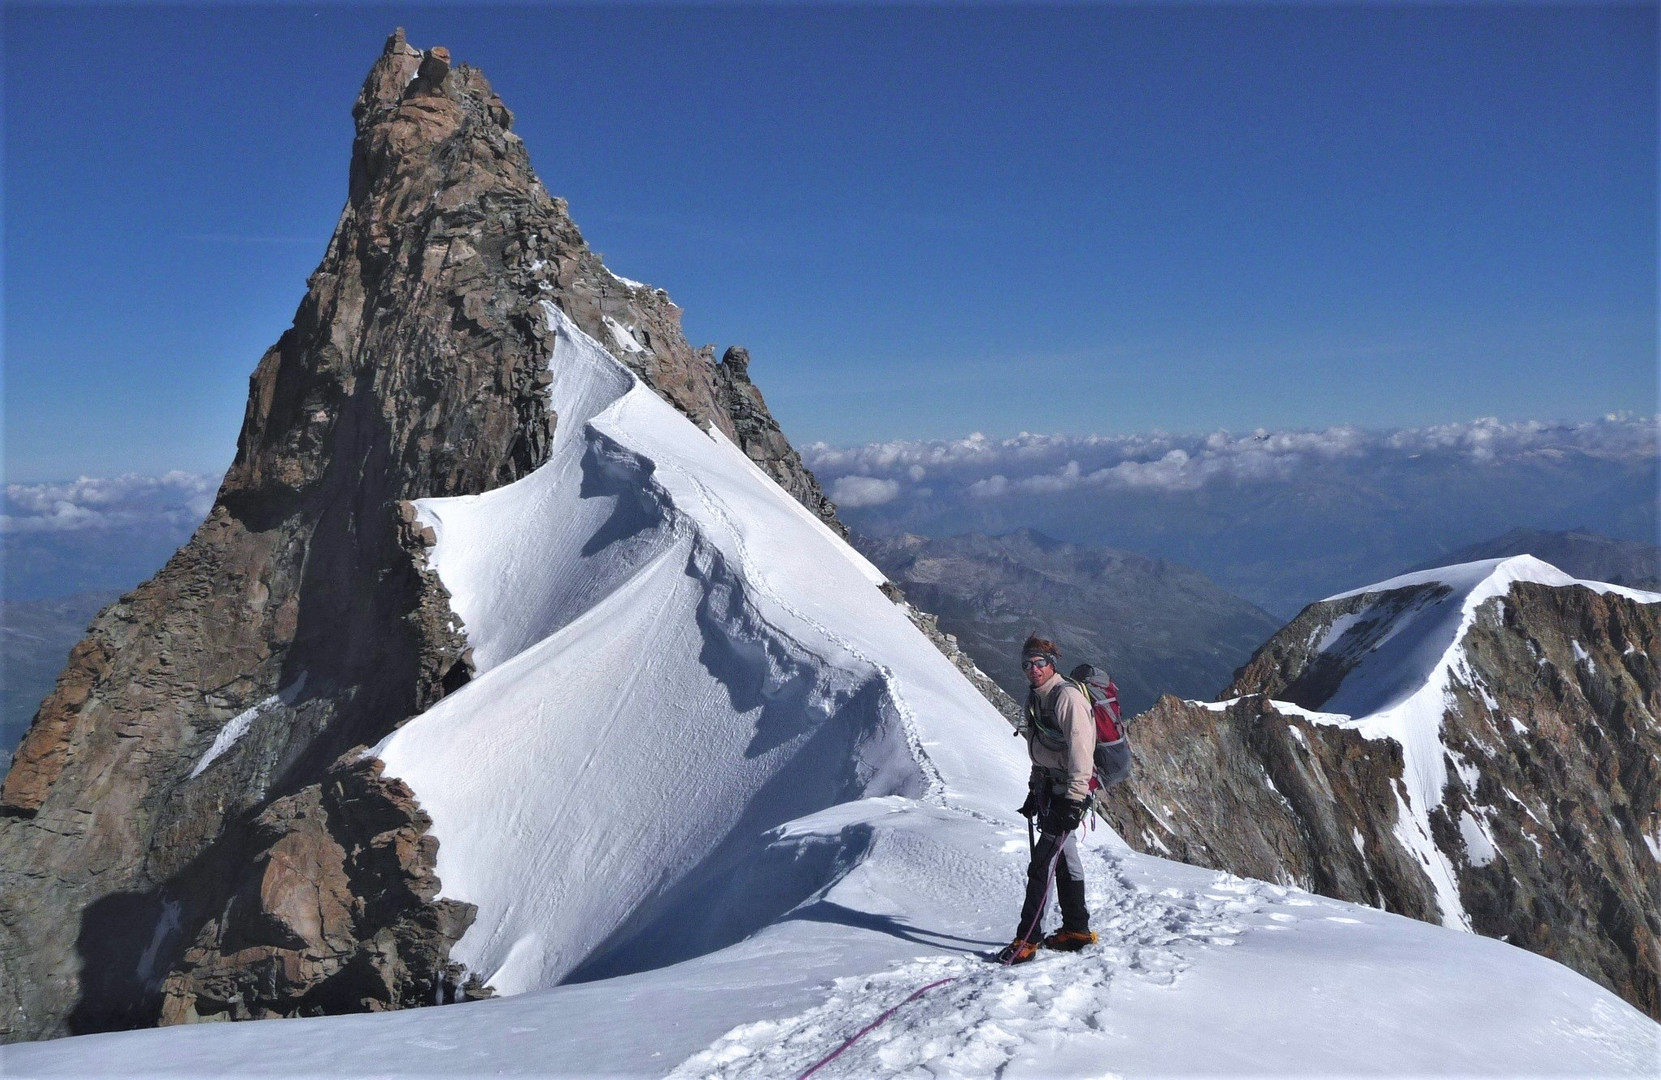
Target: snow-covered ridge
x=1493 y=577
x=1405 y=656
x=720 y=805
x=674 y=658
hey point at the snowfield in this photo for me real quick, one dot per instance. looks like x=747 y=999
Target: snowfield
x=720 y=806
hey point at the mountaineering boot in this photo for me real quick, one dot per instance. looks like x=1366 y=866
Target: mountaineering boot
x=1018 y=951
x=1070 y=940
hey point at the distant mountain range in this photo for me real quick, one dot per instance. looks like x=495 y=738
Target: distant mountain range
x=1157 y=627
x=1283 y=520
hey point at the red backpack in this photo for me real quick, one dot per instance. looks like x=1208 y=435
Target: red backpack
x=1112 y=759
x=1104 y=701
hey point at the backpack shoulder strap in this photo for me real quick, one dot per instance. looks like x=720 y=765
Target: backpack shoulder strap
x=1089 y=702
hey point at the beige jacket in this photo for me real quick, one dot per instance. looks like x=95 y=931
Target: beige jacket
x=1065 y=769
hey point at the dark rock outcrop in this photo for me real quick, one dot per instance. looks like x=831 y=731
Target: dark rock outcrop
x=182 y=837
x=1265 y=794
x=339 y=914
x=1548 y=826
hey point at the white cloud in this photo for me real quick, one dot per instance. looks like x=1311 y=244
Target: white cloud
x=174 y=499
x=1063 y=479
x=863 y=491
x=1176 y=471
x=1030 y=464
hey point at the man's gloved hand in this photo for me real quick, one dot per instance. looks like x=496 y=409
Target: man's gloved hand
x=1030 y=807
x=1064 y=816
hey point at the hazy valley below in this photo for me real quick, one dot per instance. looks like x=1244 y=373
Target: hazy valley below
x=1280 y=518
x=1156 y=627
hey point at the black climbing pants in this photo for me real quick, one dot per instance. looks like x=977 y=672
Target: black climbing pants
x=1062 y=853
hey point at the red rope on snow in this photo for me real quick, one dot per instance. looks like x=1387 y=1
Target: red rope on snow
x=872 y=1026
x=920 y=991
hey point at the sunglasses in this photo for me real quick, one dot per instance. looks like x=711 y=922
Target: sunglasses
x=1035 y=662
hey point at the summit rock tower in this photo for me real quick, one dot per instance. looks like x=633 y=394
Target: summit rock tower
x=190 y=829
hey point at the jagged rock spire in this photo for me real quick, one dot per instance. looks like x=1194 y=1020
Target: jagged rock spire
x=180 y=813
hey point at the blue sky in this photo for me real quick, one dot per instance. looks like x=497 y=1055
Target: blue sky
x=923 y=221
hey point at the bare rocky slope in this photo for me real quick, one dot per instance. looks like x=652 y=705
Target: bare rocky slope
x=1155 y=626
x=35 y=636
x=1542 y=751
x=187 y=833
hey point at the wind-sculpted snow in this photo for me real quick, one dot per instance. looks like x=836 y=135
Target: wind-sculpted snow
x=674 y=658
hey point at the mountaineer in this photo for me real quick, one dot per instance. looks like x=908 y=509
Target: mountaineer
x=1061 y=740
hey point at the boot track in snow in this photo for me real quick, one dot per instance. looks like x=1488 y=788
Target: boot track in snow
x=977 y=1018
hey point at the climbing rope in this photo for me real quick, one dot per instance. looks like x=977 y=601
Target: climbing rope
x=1049 y=883
x=873 y=1025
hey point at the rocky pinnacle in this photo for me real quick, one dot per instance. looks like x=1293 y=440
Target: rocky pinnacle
x=190 y=830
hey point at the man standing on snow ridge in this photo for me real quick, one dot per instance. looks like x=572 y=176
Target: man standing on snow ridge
x=1061 y=740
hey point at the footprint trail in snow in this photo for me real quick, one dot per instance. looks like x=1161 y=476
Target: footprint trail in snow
x=985 y=1019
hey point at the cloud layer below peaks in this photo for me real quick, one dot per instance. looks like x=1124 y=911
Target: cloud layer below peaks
x=1028 y=464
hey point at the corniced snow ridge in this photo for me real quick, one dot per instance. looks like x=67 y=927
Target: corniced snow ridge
x=674 y=658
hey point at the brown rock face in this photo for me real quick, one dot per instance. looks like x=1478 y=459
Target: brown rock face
x=336 y=914
x=1551 y=815
x=178 y=839
x=1261 y=794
